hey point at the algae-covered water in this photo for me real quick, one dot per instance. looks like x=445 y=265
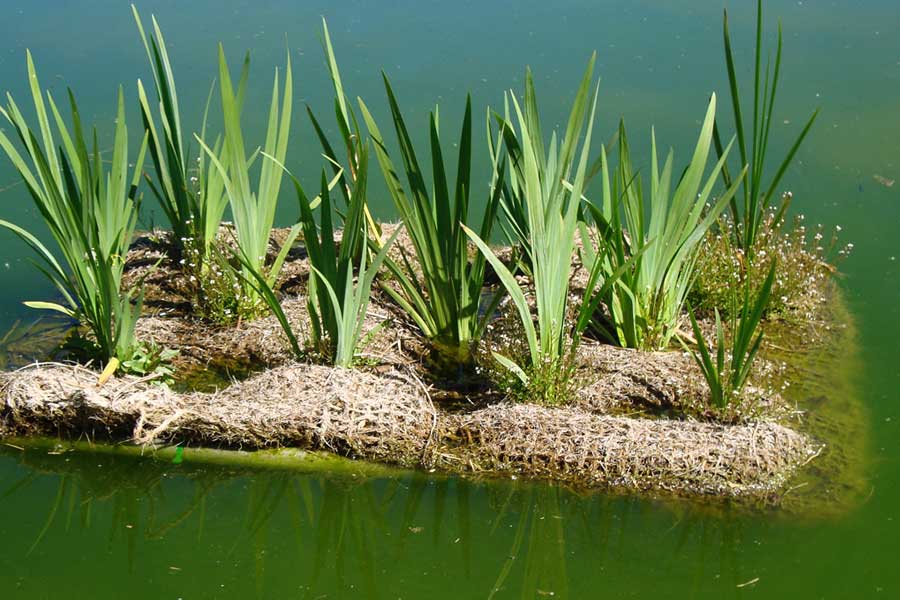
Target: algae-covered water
x=77 y=524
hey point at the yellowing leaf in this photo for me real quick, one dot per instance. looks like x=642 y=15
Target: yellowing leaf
x=111 y=367
x=50 y=306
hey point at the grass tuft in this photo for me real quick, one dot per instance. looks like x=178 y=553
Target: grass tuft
x=190 y=194
x=444 y=299
x=727 y=372
x=664 y=226
x=253 y=211
x=549 y=186
x=91 y=212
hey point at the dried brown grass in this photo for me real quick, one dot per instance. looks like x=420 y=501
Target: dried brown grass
x=383 y=418
x=639 y=454
x=390 y=418
x=624 y=379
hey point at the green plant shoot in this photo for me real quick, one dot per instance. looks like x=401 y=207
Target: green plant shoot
x=90 y=211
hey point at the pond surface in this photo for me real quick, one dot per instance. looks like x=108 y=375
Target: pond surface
x=107 y=527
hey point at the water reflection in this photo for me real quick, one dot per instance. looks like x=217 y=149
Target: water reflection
x=538 y=547
x=268 y=534
x=171 y=530
x=28 y=340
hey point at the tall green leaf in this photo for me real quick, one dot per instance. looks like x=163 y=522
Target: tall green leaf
x=757 y=194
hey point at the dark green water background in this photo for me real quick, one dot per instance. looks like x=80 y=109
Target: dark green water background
x=99 y=527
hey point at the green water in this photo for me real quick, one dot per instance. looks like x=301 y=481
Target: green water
x=81 y=525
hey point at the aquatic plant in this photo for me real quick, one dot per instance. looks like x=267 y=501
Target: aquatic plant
x=253 y=212
x=807 y=256
x=443 y=300
x=551 y=189
x=513 y=207
x=728 y=373
x=347 y=167
x=191 y=194
x=91 y=213
x=336 y=304
x=757 y=194
x=646 y=302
